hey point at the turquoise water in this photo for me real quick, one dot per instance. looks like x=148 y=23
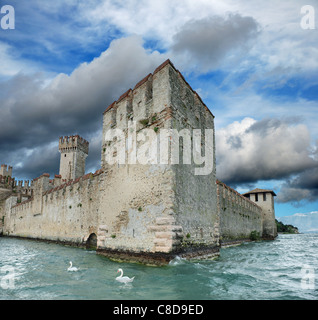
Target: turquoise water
x=259 y=270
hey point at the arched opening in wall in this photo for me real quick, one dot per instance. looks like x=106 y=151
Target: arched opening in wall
x=91 y=243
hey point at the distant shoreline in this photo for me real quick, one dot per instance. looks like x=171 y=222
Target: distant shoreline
x=286 y=228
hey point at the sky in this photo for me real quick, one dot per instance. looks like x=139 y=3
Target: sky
x=254 y=64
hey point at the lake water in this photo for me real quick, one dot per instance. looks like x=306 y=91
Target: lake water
x=260 y=270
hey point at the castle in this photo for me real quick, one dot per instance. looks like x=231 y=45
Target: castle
x=146 y=211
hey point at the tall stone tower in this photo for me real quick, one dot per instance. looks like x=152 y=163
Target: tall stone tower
x=74 y=150
x=265 y=200
x=161 y=204
x=5 y=171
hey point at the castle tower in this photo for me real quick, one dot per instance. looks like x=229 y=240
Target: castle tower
x=5 y=171
x=265 y=200
x=74 y=150
x=178 y=203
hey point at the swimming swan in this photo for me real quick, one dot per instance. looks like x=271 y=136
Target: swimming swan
x=71 y=268
x=124 y=279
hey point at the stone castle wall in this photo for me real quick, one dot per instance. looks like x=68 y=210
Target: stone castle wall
x=9 y=186
x=238 y=215
x=195 y=194
x=66 y=213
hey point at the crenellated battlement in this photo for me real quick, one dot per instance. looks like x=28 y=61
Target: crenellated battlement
x=71 y=143
x=7 y=181
x=74 y=150
x=5 y=171
x=234 y=196
x=18 y=190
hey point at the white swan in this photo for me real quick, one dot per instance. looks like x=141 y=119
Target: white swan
x=124 y=279
x=71 y=268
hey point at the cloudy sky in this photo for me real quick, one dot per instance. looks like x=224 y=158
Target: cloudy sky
x=252 y=62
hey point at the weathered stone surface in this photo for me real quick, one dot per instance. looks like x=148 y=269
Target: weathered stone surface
x=103 y=228
x=162 y=248
x=165 y=221
x=166 y=235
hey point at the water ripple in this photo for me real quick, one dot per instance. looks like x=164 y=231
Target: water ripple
x=260 y=270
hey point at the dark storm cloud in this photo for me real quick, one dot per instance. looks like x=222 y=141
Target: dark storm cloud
x=43 y=159
x=35 y=114
x=302 y=187
x=210 y=40
x=269 y=149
